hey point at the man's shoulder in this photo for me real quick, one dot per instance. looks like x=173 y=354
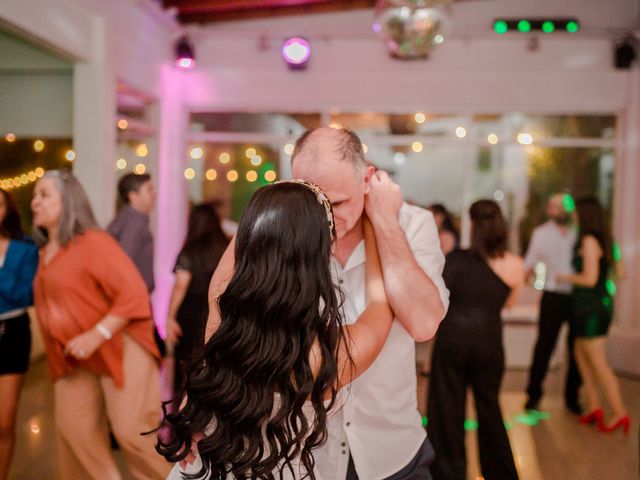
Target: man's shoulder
x=412 y=215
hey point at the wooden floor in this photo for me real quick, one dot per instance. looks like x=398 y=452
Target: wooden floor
x=553 y=448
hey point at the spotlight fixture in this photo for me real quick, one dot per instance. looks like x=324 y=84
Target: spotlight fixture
x=185 y=58
x=296 y=52
x=624 y=53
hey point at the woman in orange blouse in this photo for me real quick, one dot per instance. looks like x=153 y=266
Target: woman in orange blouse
x=93 y=309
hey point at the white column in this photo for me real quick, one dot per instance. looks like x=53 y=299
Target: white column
x=172 y=200
x=94 y=119
x=624 y=340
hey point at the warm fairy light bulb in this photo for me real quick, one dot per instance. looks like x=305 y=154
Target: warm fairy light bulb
x=461 y=132
x=232 y=175
x=142 y=150
x=189 y=174
x=251 y=176
x=420 y=117
x=269 y=175
x=416 y=147
x=123 y=124
x=196 y=153
x=140 y=168
x=492 y=138
x=224 y=157
x=211 y=174
x=70 y=155
x=38 y=145
x=121 y=164
x=251 y=152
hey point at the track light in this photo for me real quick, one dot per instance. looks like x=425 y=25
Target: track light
x=185 y=58
x=296 y=52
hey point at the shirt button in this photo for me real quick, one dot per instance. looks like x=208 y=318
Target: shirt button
x=341 y=281
x=348 y=423
x=343 y=444
x=344 y=452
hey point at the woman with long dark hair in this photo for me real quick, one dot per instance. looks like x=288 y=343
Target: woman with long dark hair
x=468 y=351
x=188 y=306
x=592 y=310
x=18 y=264
x=257 y=401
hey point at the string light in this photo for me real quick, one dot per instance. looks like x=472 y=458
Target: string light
x=232 y=175
x=416 y=147
x=122 y=124
x=256 y=160
x=70 y=155
x=269 y=175
x=142 y=150
x=224 y=157
x=38 y=145
x=492 y=138
x=461 y=132
x=196 y=153
x=420 y=117
x=10 y=137
x=251 y=152
x=121 y=164
x=140 y=168
x=22 y=179
x=252 y=176
x=211 y=174
x=189 y=174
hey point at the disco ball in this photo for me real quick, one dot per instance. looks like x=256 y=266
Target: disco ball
x=411 y=28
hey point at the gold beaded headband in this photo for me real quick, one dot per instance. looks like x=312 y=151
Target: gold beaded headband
x=322 y=200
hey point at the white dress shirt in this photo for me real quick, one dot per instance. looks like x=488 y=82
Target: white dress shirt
x=379 y=422
x=552 y=245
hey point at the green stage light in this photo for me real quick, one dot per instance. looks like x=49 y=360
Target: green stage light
x=572 y=27
x=548 y=26
x=500 y=27
x=524 y=26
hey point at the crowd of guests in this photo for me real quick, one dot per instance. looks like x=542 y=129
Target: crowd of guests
x=294 y=340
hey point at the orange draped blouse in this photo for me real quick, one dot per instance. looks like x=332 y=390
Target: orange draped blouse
x=89 y=278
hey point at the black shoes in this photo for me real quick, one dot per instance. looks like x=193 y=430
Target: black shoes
x=531 y=404
x=573 y=406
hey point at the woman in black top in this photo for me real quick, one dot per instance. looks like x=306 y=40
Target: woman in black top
x=469 y=352
x=188 y=307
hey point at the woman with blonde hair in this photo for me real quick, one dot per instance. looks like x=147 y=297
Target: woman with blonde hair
x=94 y=314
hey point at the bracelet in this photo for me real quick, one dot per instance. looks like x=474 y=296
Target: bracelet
x=104 y=331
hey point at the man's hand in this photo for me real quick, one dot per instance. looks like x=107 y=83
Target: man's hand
x=384 y=199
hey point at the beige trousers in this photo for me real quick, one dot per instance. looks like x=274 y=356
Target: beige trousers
x=84 y=405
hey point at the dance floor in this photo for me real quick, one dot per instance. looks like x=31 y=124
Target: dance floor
x=549 y=446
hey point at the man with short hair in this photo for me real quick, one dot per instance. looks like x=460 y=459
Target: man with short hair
x=131 y=224
x=377 y=434
x=131 y=229
x=552 y=244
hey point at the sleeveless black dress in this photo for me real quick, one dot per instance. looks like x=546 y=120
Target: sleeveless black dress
x=591 y=307
x=468 y=352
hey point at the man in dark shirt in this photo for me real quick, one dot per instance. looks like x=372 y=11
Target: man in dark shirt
x=131 y=227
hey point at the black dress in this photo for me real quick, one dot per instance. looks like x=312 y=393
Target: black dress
x=592 y=307
x=468 y=351
x=192 y=313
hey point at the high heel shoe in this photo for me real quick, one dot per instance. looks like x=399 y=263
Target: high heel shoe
x=595 y=416
x=623 y=422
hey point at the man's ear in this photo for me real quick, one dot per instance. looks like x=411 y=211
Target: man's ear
x=369 y=172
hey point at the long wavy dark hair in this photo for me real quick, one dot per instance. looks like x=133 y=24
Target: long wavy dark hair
x=488 y=229
x=10 y=224
x=592 y=220
x=255 y=374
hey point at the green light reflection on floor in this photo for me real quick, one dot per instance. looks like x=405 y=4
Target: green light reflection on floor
x=530 y=418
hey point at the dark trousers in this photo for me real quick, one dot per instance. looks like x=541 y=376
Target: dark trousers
x=555 y=308
x=418 y=468
x=458 y=362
